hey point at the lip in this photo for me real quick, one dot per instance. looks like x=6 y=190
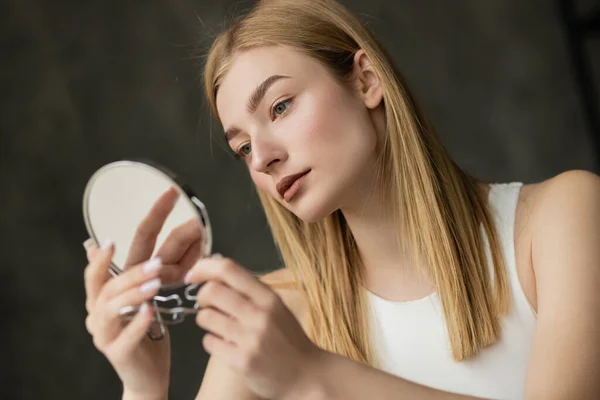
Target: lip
x=287 y=181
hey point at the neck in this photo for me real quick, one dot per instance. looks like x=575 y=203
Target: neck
x=386 y=271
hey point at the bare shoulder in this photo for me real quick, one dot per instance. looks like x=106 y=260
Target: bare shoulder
x=566 y=199
x=559 y=194
x=538 y=202
x=576 y=181
x=282 y=281
x=557 y=206
x=562 y=196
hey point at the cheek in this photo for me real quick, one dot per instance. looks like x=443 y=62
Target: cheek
x=335 y=129
x=261 y=181
x=321 y=124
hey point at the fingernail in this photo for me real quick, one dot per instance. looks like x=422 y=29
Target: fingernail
x=143 y=308
x=89 y=243
x=150 y=285
x=217 y=256
x=107 y=244
x=152 y=265
x=186 y=278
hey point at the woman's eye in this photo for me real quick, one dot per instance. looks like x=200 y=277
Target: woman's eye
x=244 y=150
x=281 y=107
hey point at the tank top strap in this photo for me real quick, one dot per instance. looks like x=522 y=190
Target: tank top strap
x=503 y=200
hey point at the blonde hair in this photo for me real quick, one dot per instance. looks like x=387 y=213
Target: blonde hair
x=439 y=204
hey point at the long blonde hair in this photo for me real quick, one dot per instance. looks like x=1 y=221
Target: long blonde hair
x=440 y=206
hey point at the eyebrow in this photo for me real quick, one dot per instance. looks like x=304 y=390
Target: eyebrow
x=253 y=102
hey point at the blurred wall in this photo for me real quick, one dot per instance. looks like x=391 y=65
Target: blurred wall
x=83 y=83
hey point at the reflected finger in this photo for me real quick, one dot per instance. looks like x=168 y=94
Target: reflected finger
x=179 y=241
x=181 y=260
x=193 y=254
x=190 y=258
x=144 y=239
x=171 y=273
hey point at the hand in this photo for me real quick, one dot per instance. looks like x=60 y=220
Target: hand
x=252 y=331
x=180 y=250
x=142 y=364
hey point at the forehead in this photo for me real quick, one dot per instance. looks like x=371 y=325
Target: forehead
x=251 y=67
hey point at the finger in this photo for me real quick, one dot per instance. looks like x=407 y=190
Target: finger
x=108 y=323
x=234 y=276
x=134 y=296
x=96 y=274
x=89 y=243
x=92 y=253
x=144 y=239
x=179 y=241
x=191 y=257
x=132 y=277
x=131 y=336
x=88 y=325
x=175 y=272
x=227 y=328
x=171 y=273
x=91 y=248
x=222 y=350
x=182 y=249
x=227 y=300
x=155 y=330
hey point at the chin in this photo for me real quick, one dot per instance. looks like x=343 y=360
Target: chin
x=311 y=218
x=310 y=209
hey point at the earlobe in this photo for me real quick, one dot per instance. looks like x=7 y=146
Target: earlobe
x=367 y=81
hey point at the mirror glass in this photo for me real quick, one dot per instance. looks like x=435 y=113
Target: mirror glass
x=147 y=212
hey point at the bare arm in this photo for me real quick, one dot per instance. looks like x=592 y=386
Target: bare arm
x=340 y=378
x=223 y=383
x=565 y=358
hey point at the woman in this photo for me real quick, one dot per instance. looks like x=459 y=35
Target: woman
x=405 y=277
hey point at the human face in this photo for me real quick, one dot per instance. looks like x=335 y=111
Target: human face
x=306 y=122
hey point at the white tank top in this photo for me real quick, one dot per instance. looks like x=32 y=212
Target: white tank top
x=411 y=339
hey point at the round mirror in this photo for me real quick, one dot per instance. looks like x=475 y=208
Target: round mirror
x=148 y=213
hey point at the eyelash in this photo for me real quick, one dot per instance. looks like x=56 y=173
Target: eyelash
x=238 y=154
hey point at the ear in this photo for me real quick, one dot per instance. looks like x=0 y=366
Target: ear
x=367 y=81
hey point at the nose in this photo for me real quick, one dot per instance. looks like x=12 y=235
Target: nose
x=266 y=154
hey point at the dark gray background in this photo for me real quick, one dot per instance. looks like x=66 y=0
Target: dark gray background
x=84 y=83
